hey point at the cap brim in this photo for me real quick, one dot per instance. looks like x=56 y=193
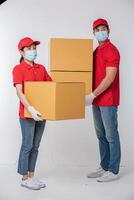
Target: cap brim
x=36 y=42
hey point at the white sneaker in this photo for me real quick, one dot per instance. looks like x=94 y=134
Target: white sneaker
x=41 y=184
x=98 y=173
x=107 y=177
x=30 y=184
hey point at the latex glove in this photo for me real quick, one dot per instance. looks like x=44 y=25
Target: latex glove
x=89 y=99
x=34 y=113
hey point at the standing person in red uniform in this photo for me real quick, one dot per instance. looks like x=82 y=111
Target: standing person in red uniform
x=32 y=128
x=105 y=99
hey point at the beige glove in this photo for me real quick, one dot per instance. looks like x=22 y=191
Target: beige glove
x=34 y=113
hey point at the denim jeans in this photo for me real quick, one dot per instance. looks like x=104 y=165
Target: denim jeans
x=32 y=132
x=106 y=126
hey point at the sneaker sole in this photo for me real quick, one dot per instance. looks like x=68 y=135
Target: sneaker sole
x=30 y=188
x=43 y=186
x=97 y=176
x=94 y=176
x=99 y=181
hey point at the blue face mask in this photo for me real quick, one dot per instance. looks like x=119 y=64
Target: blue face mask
x=101 y=35
x=30 y=55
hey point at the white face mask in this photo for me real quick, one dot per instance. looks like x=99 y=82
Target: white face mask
x=101 y=36
x=30 y=55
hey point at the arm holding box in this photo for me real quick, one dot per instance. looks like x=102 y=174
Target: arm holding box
x=104 y=85
x=34 y=113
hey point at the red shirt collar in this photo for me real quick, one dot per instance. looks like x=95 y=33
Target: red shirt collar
x=107 y=42
x=25 y=64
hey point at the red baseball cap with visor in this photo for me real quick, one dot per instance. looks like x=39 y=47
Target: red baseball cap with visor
x=100 y=21
x=26 y=42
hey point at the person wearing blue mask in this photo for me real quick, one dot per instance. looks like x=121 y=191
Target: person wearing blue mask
x=32 y=128
x=106 y=99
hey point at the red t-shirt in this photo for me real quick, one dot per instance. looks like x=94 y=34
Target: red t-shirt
x=25 y=72
x=106 y=55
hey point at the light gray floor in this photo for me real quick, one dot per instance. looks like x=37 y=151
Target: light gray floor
x=68 y=183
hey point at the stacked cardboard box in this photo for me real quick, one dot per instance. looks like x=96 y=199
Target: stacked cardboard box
x=56 y=101
x=71 y=61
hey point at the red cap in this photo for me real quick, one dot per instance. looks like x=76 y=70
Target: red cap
x=100 y=22
x=25 y=42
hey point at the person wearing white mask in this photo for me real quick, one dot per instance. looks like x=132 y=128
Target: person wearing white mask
x=32 y=128
x=105 y=99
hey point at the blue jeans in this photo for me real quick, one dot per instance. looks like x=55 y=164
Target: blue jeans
x=32 y=132
x=106 y=126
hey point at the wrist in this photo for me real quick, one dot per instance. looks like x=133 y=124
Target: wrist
x=93 y=95
x=30 y=108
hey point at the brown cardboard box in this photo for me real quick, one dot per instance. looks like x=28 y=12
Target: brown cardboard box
x=71 y=54
x=85 y=77
x=56 y=101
